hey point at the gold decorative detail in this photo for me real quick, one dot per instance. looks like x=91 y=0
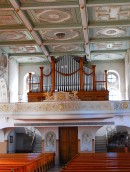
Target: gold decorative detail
x=61 y=106
x=4 y=108
x=124 y=105
x=61 y=96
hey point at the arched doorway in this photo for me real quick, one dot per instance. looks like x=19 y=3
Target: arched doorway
x=24 y=140
x=118 y=139
x=112 y=138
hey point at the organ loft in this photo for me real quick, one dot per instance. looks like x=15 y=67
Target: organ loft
x=69 y=75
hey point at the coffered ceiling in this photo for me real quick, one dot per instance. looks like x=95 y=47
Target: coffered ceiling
x=35 y=30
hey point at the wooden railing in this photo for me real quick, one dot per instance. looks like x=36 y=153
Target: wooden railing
x=26 y=162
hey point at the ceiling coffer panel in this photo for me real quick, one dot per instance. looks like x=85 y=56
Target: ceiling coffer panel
x=61 y=34
x=27 y=59
x=109 y=32
x=109 y=13
x=21 y=49
x=15 y=35
x=66 y=47
x=108 y=56
x=110 y=46
x=54 y=16
x=9 y=18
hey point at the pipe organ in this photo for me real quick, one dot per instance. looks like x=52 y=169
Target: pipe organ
x=69 y=74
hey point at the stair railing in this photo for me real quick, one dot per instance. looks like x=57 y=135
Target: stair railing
x=33 y=143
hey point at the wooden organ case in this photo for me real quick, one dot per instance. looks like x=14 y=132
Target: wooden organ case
x=69 y=74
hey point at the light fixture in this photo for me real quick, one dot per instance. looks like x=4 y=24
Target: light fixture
x=60 y=35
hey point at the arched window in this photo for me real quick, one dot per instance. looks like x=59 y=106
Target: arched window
x=113 y=79
x=35 y=79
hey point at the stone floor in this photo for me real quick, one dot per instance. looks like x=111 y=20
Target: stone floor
x=55 y=169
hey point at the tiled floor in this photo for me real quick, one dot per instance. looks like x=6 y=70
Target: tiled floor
x=55 y=169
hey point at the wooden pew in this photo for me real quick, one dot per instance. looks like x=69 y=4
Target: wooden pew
x=99 y=162
x=26 y=162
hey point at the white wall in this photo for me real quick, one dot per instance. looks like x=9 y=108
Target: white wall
x=13 y=80
x=119 y=67
x=1 y=136
x=27 y=68
x=11 y=146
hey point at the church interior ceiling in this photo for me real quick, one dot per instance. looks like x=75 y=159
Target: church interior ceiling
x=34 y=30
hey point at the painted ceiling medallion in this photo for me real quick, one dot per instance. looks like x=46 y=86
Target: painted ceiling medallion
x=12 y=35
x=64 y=34
x=66 y=47
x=52 y=16
x=111 y=31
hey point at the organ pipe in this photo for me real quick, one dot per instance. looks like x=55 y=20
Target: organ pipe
x=70 y=74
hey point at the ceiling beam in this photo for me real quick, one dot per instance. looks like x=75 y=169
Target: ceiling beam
x=59 y=26
x=108 y=51
x=18 y=27
x=21 y=27
x=84 y=26
x=47 y=5
x=105 y=24
x=6 y=7
x=105 y=40
x=10 y=43
x=95 y=3
x=40 y=54
x=29 y=26
x=81 y=53
x=56 y=42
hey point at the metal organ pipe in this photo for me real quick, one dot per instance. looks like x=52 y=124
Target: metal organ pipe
x=71 y=75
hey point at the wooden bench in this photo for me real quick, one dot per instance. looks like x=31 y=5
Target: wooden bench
x=26 y=162
x=99 y=162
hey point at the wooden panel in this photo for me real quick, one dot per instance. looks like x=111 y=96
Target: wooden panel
x=36 y=97
x=68 y=143
x=82 y=95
